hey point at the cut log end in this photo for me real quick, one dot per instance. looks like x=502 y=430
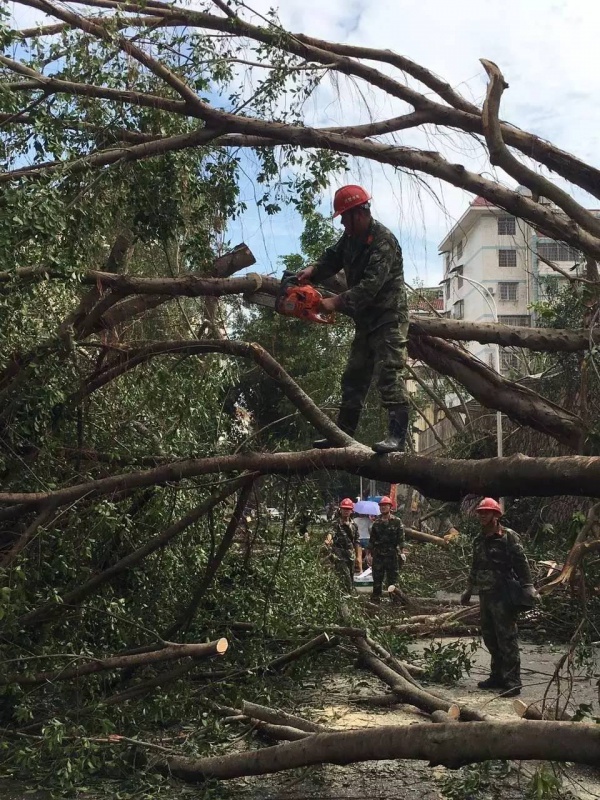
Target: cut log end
x=221 y=646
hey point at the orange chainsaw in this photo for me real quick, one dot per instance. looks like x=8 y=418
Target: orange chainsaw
x=301 y=301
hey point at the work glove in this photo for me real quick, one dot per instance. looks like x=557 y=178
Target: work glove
x=465 y=597
x=305 y=274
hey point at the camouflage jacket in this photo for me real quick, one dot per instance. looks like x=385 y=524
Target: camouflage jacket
x=496 y=558
x=374 y=274
x=386 y=535
x=345 y=538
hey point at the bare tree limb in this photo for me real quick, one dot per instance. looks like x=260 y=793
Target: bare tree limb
x=168 y=653
x=501 y=156
x=493 y=391
x=442 y=478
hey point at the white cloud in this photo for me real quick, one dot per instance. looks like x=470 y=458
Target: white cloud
x=545 y=48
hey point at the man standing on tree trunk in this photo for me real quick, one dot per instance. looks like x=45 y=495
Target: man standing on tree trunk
x=371 y=259
x=498 y=557
x=385 y=545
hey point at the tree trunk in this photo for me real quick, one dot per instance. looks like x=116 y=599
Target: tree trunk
x=447 y=744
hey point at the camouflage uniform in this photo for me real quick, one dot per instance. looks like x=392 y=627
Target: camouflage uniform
x=386 y=537
x=495 y=559
x=343 y=552
x=376 y=300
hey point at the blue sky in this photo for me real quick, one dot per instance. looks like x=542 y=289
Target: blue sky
x=547 y=50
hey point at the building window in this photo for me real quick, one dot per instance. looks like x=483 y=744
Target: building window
x=558 y=251
x=508 y=292
x=459 y=278
x=507 y=226
x=458 y=310
x=507 y=257
x=523 y=320
x=447 y=290
x=509 y=362
x=447 y=261
x=459 y=250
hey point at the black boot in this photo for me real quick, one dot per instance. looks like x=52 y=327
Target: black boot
x=397 y=427
x=347 y=421
x=493 y=682
x=511 y=690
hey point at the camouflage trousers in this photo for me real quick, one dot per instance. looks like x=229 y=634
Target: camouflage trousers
x=500 y=635
x=343 y=564
x=381 y=352
x=385 y=566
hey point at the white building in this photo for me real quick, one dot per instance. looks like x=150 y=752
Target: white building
x=502 y=254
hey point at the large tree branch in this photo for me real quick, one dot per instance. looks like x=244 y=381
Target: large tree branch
x=169 y=653
x=458 y=114
x=221 y=122
x=500 y=155
x=484 y=384
x=493 y=391
x=252 y=351
x=442 y=478
x=551 y=340
x=545 y=219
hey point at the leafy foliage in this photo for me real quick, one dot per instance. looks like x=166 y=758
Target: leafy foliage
x=447 y=663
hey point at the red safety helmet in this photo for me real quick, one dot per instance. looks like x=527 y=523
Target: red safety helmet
x=347 y=503
x=489 y=504
x=385 y=501
x=349 y=197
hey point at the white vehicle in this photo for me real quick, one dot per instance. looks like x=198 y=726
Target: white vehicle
x=274 y=513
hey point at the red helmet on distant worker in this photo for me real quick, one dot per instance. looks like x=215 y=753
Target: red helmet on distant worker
x=385 y=500
x=489 y=504
x=347 y=503
x=349 y=197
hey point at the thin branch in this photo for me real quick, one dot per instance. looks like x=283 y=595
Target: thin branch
x=431 y=427
x=455 y=421
x=186 y=617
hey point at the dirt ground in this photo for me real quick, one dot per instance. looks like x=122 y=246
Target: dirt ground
x=415 y=780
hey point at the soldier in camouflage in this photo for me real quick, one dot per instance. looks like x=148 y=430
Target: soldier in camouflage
x=497 y=557
x=385 y=545
x=344 y=545
x=371 y=259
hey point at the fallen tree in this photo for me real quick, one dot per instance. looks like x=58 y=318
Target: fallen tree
x=447 y=744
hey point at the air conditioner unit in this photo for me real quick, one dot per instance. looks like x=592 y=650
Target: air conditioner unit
x=492 y=292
